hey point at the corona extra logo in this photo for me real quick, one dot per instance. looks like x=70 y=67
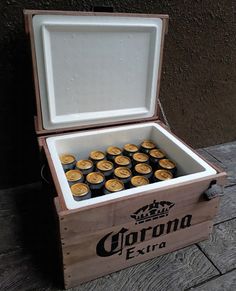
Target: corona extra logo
x=152 y=211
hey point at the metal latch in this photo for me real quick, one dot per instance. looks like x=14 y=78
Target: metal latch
x=213 y=191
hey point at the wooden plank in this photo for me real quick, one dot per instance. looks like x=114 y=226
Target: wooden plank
x=11 y=237
x=175 y=271
x=225 y=153
x=221 y=246
x=226 y=282
x=227 y=209
x=203 y=211
x=87 y=269
x=230 y=168
x=14 y=199
x=18 y=272
x=117 y=212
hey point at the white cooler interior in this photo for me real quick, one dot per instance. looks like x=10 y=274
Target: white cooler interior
x=96 y=69
x=189 y=165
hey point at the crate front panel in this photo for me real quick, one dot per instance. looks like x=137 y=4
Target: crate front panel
x=121 y=251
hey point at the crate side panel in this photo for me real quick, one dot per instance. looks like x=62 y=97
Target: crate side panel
x=193 y=214
x=118 y=212
x=128 y=255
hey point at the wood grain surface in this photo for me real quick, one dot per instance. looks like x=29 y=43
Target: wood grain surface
x=221 y=246
x=226 y=282
x=85 y=269
x=175 y=271
x=227 y=208
x=226 y=155
x=27 y=262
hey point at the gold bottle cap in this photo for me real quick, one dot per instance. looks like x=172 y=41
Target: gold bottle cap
x=97 y=155
x=122 y=160
x=143 y=168
x=122 y=172
x=95 y=178
x=114 y=185
x=84 y=164
x=148 y=144
x=79 y=189
x=115 y=151
x=67 y=159
x=130 y=147
x=104 y=165
x=167 y=164
x=140 y=157
x=73 y=175
x=163 y=175
x=139 y=181
x=156 y=153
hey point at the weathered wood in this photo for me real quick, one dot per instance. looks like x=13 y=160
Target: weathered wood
x=203 y=211
x=13 y=200
x=117 y=212
x=226 y=155
x=76 y=272
x=227 y=209
x=175 y=271
x=18 y=272
x=229 y=167
x=226 y=282
x=221 y=246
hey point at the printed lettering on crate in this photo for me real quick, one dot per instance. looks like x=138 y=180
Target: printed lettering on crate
x=152 y=211
x=121 y=241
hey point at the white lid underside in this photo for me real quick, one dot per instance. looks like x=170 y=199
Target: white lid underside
x=96 y=69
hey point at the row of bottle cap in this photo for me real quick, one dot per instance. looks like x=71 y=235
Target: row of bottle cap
x=117 y=169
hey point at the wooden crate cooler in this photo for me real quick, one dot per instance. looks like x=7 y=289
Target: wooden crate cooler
x=97 y=79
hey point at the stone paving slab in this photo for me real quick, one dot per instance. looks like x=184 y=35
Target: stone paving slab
x=221 y=246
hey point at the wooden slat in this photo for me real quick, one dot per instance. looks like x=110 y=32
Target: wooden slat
x=226 y=282
x=227 y=209
x=221 y=246
x=18 y=272
x=203 y=211
x=225 y=153
x=117 y=212
x=227 y=164
x=86 y=270
x=175 y=271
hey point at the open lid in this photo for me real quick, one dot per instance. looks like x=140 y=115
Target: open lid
x=94 y=69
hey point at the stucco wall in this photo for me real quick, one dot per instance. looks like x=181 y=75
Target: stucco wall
x=197 y=87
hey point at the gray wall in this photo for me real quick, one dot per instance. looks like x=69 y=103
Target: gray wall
x=197 y=87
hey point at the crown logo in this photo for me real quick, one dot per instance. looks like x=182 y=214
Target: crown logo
x=152 y=211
